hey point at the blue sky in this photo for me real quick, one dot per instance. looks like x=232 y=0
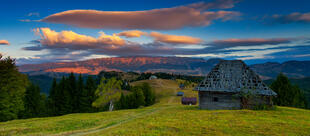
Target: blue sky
x=255 y=31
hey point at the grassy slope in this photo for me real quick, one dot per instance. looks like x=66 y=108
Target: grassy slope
x=168 y=117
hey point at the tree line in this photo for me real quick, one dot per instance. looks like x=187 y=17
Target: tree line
x=71 y=96
x=19 y=98
x=12 y=90
x=288 y=94
x=145 y=76
x=142 y=96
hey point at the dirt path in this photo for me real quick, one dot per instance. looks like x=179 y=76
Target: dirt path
x=171 y=99
x=106 y=127
x=118 y=123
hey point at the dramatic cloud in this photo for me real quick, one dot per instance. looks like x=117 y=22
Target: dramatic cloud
x=132 y=33
x=72 y=40
x=292 y=18
x=174 y=39
x=192 y=15
x=248 y=42
x=164 y=38
x=69 y=39
x=4 y=42
x=70 y=46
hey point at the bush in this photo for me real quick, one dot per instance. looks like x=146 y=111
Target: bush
x=140 y=96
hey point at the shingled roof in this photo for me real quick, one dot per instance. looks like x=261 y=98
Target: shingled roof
x=233 y=76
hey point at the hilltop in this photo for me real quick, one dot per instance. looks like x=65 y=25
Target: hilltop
x=167 y=117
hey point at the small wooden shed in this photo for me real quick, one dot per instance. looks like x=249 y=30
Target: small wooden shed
x=189 y=100
x=227 y=84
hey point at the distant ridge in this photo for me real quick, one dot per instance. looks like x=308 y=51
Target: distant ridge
x=192 y=66
x=294 y=69
x=177 y=65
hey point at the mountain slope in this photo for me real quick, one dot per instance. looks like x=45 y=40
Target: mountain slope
x=296 y=69
x=177 y=65
x=193 y=66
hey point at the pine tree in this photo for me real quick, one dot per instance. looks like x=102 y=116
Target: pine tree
x=90 y=88
x=287 y=94
x=299 y=99
x=148 y=94
x=83 y=96
x=67 y=95
x=131 y=101
x=63 y=98
x=122 y=102
x=58 y=97
x=32 y=101
x=139 y=98
x=52 y=110
x=43 y=107
x=74 y=92
x=12 y=89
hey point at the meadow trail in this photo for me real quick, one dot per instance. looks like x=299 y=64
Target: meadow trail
x=114 y=124
x=152 y=110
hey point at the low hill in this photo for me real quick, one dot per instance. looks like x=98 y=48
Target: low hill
x=296 y=69
x=167 y=117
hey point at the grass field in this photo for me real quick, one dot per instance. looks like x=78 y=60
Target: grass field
x=167 y=117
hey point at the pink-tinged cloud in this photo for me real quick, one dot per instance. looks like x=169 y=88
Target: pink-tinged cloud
x=4 y=42
x=292 y=18
x=174 y=39
x=161 y=19
x=132 y=33
x=68 y=43
x=249 y=42
x=53 y=38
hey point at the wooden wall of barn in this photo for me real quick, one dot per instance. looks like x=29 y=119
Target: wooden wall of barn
x=216 y=100
x=219 y=100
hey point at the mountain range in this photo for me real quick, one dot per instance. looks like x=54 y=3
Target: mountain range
x=177 y=65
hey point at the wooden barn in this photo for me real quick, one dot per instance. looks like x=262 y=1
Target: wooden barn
x=231 y=84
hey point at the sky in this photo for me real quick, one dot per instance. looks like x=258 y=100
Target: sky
x=255 y=31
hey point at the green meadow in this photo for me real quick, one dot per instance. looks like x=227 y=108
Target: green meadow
x=167 y=117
